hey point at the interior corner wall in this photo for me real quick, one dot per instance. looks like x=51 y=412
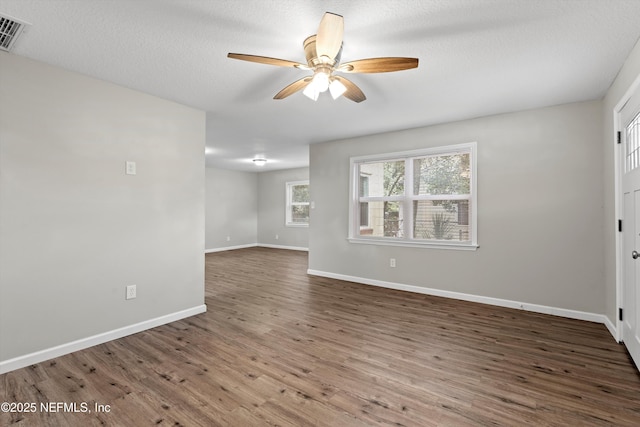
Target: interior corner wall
x=540 y=212
x=74 y=229
x=626 y=77
x=271 y=210
x=231 y=209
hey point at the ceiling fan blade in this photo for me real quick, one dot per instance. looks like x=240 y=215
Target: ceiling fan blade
x=267 y=60
x=329 y=37
x=293 y=87
x=379 y=65
x=353 y=92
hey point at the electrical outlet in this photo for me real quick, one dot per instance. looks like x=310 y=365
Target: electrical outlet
x=277 y=237
x=228 y=238
x=131 y=292
x=392 y=262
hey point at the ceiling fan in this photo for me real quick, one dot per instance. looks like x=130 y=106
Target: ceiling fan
x=323 y=51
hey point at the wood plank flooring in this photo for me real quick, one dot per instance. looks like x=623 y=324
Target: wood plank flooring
x=280 y=348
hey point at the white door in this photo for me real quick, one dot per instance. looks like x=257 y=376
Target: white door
x=630 y=165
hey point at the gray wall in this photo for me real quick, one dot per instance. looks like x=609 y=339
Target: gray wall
x=629 y=72
x=75 y=230
x=272 y=206
x=540 y=215
x=249 y=207
x=231 y=208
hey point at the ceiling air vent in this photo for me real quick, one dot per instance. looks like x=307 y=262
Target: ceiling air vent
x=10 y=30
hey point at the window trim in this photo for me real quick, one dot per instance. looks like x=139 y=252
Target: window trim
x=289 y=203
x=354 y=177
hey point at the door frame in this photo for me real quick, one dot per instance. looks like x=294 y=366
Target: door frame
x=618 y=171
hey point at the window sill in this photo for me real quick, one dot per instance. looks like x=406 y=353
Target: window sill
x=297 y=225
x=414 y=244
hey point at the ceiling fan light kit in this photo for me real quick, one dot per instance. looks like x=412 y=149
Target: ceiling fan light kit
x=311 y=92
x=337 y=89
x=323 y=52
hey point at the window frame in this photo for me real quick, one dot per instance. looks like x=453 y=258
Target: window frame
x=289 y=204
x=408 y=198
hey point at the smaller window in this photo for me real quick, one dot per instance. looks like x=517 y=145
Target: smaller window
x=297 y=209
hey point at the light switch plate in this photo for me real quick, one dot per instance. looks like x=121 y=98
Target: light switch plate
x=130 y=168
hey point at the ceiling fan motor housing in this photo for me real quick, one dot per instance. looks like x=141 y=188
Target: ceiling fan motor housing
x=311 y=54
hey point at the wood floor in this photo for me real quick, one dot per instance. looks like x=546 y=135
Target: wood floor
x=280 y=348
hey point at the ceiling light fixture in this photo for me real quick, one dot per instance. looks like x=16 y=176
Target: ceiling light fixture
x=260 y=161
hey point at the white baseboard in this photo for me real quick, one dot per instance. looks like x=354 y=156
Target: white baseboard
x=60 y=350
x=543 y=309
x=613 y=330
x=230 y=248
x=291 y=248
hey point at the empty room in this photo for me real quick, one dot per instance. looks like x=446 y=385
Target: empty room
x=320 y=213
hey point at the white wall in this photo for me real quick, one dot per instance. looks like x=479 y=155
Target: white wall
x=627 y=75
x=231 y=209
x=74 y=229
x=540 y=211
x=272 y=206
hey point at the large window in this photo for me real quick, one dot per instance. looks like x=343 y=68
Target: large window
x=423 y=197
x=297 y=204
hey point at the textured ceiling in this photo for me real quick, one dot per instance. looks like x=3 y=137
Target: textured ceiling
x=477 y=58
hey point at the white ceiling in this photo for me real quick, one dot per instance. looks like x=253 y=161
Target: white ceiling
x=477 y=58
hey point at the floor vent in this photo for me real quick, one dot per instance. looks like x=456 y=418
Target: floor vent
x=10 y=30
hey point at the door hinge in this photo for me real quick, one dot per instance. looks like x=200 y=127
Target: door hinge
x=620 y=314
x=619 y=137
x=620 y=225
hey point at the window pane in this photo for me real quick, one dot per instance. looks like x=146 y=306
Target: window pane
x=364 y=214
x=632 y=142
x=441 y=220
x=300 y=214
x=364 y=186
x=300 y=193
x=384 y=220
x=384 y=178
x=463 y=212
x=448 y=174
